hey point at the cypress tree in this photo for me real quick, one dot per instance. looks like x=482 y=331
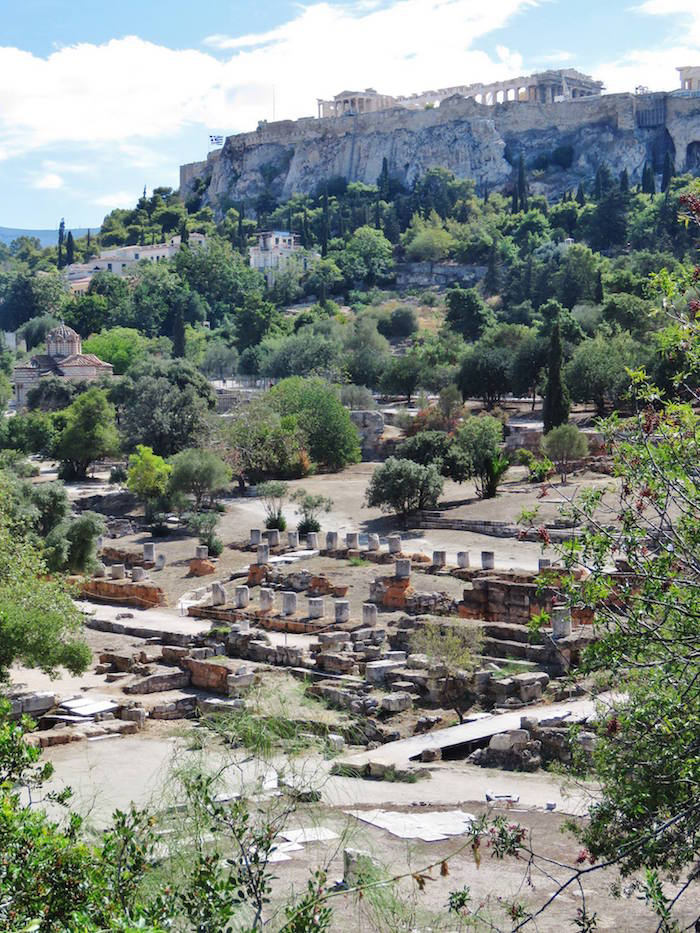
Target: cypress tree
x=669 y=172
x=514 y=203
x=241 y=215
x=325 y=232
x=555 y=410
x=61 y=237
x=580 y=195
x=70 y=248
x=492 y=279
x=648 y=180
x=522 y=183
x=383 y=181
x=599 y=292
x=179 y=333
x=624 y=181
x=598 y=186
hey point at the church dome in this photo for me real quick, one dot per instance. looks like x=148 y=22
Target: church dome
x=63 y=332
x=63 y=341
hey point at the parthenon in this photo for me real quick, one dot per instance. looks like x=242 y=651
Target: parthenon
x=542 y=87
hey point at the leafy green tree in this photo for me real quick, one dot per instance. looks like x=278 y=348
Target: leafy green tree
x=90 y=433
x=556 y=406
x=5 y=391
x=366 y=353
x=220 y=361
x=402 y=375
x=71 y=545
x=597 y=371
x=480 y=439
x=164 y=404
x=259 y=443
x=199 y=473
x=34 y=331
x=563 y=445
x=255 y=320
x=33 y=433
x=485 y=373
x=148 y=475
x=436 y=447
x=88 y=314
x=526 y=373
x=120 y=346
x=332 y=437
x=39 y=625
x=403 y=487
x=368 y=256
x=323 y=278
x=467 y=313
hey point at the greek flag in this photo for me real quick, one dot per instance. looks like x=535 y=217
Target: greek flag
x=216 y=140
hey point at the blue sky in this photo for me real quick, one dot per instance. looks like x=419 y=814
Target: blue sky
x=97 y=100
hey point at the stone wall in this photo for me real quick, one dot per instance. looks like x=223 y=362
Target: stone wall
x=143 y=595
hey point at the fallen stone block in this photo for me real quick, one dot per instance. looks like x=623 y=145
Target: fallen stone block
x=159 y=682
x=396 y=702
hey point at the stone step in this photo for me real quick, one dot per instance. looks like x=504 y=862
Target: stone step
x=526 y=665
x=500 y=648
x=506 y=631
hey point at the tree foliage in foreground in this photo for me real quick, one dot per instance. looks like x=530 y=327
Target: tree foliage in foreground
x=39 y=625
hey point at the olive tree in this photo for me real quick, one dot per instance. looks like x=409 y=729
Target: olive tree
x=404 y=487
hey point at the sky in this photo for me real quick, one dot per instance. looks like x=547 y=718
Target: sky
x=98 y=100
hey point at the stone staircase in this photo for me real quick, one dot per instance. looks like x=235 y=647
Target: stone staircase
x=509 y=641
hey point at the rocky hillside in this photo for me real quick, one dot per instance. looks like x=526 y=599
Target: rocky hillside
x=562 y=144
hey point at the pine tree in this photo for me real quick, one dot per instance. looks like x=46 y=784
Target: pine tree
x=668 y=173
x=624 y=181
x=599 y=291
x=522 y=183
x=70 y=248
x=580 y=195
x=492 y=279
x=179 y=333
x=61 y=237
x=555 y=410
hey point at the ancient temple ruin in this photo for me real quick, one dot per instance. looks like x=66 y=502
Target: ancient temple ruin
x=543 y=87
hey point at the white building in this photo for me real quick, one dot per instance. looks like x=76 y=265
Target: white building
x=64 y=358
x=123 y=259
x=276 y=250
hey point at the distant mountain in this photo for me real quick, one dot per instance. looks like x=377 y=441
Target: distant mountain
x=45 y=237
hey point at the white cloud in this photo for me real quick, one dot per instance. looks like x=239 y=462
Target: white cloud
x=655 y=68
x=405 y=46
x=116 y=199
x=50 y=181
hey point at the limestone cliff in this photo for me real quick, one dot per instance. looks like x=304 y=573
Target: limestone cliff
x=470 y=139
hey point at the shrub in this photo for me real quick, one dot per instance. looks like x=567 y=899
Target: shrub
x=273 y=493
x=204 y=525
x=564 y=444
x=309 y=507
x=118 y=474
